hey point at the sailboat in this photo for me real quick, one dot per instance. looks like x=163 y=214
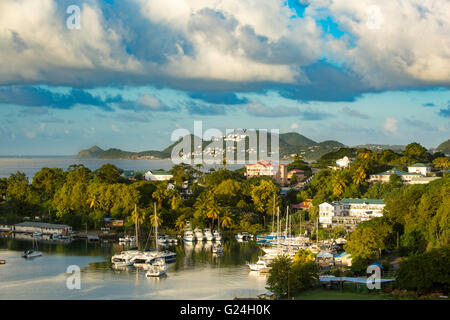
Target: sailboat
x=32 y=253
x=165 y=255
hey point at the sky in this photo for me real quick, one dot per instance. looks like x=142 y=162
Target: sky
x=126 y=74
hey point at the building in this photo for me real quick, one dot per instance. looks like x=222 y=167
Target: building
x=344 y=162
x=349 y=212
x=420 y=168
x=44 y=228
x=305 y=205
x=406 y=177
x=267 y=168
x=297 y=172
x=158 y=175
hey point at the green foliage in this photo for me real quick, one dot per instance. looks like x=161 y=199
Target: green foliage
x=287 y=276
x=108 y=173
x=425 y=272
x=278 y=280
x=369 y=238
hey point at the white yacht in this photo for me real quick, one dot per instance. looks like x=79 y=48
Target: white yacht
x=199 y=234
x=156 y=269
x=124 y=258
x=208 y=235
x=189 y=236
x=31 y=254
x=261 y=265
x=162 y=240
x=127 y=239
x=217 y=235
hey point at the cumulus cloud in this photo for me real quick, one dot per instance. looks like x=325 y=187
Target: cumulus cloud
x=229 y=45
x=146 y=102
x=354 y=113
x=259 y=110
x=396 y=43
x=390 y=125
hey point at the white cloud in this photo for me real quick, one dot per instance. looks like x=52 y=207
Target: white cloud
x=393 y=43
x=390 y=125
x=114 y=128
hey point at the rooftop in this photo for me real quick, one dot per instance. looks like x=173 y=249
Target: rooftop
x=361 y=201
x=42 y=225
x=419 y=165
x=160 y=173
x=395 y=171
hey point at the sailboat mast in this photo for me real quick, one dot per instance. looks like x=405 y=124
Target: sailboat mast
x=135 y=225
x=273 y=213
x=287 y=219
x=278 y=227
x=156 y=227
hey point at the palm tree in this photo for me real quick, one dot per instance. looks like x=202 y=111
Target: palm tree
x=93 y=202
x=359 y=176
x=226 y=222
x=213 y=210
x=339 y=185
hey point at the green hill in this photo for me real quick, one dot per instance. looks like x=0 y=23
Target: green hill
x=290 y=143
x=92 y=152
x=444 y=147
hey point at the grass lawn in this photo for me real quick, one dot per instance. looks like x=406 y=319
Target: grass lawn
x=319 y=294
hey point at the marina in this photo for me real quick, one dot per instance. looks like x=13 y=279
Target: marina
x=201 y=273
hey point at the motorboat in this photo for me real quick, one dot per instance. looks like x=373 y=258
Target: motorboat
x=189 y=236
x=31 y=254
x=208 y=235
x=199 y=234
x=258 y=266
x=217 y=235
x=124 y=259
x=127 y=239
x=156 y=269
x=162 y=240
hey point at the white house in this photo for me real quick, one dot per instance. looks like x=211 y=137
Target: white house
x=421 y=168
x=349 y=212
x=158 y=175
x=329 y=210
x=344 y=162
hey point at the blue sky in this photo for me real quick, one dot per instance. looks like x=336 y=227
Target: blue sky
x=138 y=69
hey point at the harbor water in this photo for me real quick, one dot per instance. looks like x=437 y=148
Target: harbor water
x=197 y=273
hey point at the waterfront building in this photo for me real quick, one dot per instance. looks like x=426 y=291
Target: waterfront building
x=349 y=212
x=266 y=168
x=44 y=228
x=158 y=175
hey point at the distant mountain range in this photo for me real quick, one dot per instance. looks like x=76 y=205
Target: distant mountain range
x=291 y=143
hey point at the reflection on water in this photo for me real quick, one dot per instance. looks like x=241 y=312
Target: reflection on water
x=196 y=274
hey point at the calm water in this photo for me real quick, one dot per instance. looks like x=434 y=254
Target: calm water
x=196 y=274
x=32 y=165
